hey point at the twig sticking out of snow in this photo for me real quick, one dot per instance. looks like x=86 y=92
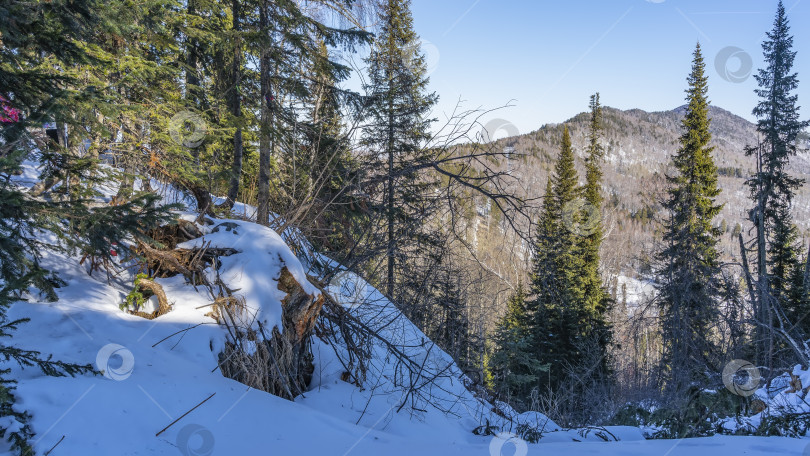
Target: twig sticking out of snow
x=183 y=415
x=57 y=444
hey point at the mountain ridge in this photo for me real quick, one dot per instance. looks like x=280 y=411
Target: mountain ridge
x=638 y=149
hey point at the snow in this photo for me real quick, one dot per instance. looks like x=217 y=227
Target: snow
x=156 y=372
x=253 y=272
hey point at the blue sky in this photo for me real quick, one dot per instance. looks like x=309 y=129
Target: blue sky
x=550 y=56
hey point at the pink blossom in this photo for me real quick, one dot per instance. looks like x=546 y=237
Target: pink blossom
x=8 y=113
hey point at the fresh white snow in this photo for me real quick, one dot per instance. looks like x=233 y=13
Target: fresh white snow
x=156 y=372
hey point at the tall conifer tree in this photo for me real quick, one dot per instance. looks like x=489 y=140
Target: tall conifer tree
x=398 y=109
x=689 y=274
x=558 y=287
x=597 y=298
x=593 y=199
x=513 y=369
x=772 y=188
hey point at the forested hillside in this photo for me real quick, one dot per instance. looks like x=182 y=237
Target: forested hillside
x=638 y=147
x=229 y=226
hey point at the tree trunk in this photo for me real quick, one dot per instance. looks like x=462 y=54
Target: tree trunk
x=281 y=364
x=236 y=110
x=764 y=329
x=192 y=78
x=390 y=203
x=263 y=205
x=806 y=280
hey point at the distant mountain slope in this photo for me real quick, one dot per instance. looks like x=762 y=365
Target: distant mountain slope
x=638 y=146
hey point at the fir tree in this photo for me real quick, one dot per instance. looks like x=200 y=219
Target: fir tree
x=399 y=103
x=783 y=255
x=772 y=188
x=287 y=42
x=689 y=274
x=797 y=302
x=561 y=322
x=597 y=298
x=60 y=36
x=449 y=317
x=513 y=369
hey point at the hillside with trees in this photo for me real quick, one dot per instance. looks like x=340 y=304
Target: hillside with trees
x=208 y=201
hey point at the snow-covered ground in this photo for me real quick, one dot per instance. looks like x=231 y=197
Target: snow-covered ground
x=151 y=380
x=162 y=393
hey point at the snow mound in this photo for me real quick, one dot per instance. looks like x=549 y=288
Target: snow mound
x=785 y=395
x=253 y=272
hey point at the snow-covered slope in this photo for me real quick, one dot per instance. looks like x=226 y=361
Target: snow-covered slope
x=162 y=393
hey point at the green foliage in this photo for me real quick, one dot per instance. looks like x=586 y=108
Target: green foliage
x=397 y=107
x=135 y=299
x=689 y=262
x=730 y=171
x=778 y=120
x=787 y=425
x=706 y=413
x=772 y=187
x=46 y=45
x=568 y=301
x=697 y=416
x=560 y=329
x=512 y=369
x=631 y=415
x=528 y=433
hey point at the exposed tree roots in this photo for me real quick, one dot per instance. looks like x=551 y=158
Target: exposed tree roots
x=150 y=288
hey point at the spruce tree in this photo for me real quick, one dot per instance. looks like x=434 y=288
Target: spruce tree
x=512 y=369
x=597 y=298
x=688 y=277
x=772 y=188
x=797 y=302
x=560 y=323
x=54 y=36
x=399 y=103
x=593 y=198
x=449 y=322
x=287 y=42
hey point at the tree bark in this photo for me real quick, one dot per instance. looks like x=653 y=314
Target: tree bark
x=263 y=205
x=764 y=339
x=236 y=110
x=390 y=194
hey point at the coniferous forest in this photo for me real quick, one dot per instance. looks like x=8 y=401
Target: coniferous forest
x=265 y=191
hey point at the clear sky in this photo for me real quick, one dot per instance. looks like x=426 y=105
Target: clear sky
x=550 y=56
